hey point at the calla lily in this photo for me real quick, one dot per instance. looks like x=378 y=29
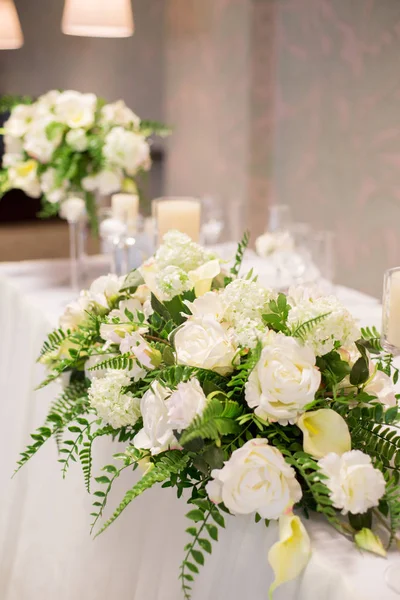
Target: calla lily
x=324 y=431
x=367 y=540
x=202 y=277
x=290 y=555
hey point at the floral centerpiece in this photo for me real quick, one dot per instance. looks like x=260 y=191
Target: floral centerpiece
x=244 y=400
x=68 y=143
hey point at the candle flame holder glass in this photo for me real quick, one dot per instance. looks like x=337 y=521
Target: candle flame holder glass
x=391 y=312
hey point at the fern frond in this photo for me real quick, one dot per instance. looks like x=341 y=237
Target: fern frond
x=218 y=419
x=70 y=448
x=304 y=329
x=371 y=339
x=53 y=342
x=392 y=499
x=71 y=404
x=85 y=454
x=241 y=249
x=123 y=361
x=170 y=462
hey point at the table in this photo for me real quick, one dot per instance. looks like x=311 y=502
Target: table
x=46 y=552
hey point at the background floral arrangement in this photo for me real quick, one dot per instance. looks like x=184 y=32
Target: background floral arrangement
x=66 y=143
x=244 y=400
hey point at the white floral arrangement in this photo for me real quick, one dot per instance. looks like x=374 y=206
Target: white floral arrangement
x=68 y=143
x=244 y=400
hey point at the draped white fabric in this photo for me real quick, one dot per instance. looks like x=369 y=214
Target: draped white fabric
x=46 y=551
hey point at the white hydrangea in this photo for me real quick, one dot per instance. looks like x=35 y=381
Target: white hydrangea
x=173 y=281
x=111 y=404
x=354 y=483
x=337 y=326
x=245 y=303
x=179 y=250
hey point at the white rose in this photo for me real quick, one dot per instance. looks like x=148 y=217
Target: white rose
x=118 y=113
x=284 y=380
x=256 y=478
x=157 y=434
x=105 y=288
x=72 y=209
x=77 y=139
x=126 y=149
x=382 y=387
x=355 y=485
x=184 y=404
x=20 y=120
x=205 y=343
x=24 y=176
x=36 y=142
x=76 y=110
x=111 y=404
x=45 y=103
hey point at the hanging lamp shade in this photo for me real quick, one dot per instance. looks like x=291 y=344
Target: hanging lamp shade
x=98 y=18
x=11 y=36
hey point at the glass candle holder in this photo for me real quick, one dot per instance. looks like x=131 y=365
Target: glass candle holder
x=391 y=311
x=280 y=218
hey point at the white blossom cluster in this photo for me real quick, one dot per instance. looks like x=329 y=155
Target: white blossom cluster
x=110 y=402
x=337 y=324
x=68 y=124
x=179 y=250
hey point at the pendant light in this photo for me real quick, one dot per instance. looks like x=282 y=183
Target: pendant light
x=98 y=18
x=11 y=36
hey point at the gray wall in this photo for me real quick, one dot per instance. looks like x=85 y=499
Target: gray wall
x=131 y=68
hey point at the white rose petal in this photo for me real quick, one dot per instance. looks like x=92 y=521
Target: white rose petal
x=157 y=434
x=256 y=478
x=20 y=120
x=382 y=387
x=184 y=404
x=354 y=483
x=126 y=149
x=105 y=289
x=76 y=110
x=24 y=176
x=284 y=380
x=118 y=113
x=205 y=343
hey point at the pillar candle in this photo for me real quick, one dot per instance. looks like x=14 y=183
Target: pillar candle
x=393 y=317
x=125 y=207
x=182 y=214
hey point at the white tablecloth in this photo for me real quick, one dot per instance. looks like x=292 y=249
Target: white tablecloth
x=46 y=552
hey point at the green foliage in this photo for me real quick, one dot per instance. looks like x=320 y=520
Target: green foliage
x=371 y=339
x=202 y=534
x=132 y=281
x=165 y=464
x=48 y=210
x=85 y=454
x=122 y=361
x=217 y=420
x=148 y=128
x=241 y=249
x=333 y=368
x=8 y=102
x=71 y=404
x=277 y=318
x=304 y=330
x=240 y=377
x=53 y=342
x=391 y=501
x=4 y=182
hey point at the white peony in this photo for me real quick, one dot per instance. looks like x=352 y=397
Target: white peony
x=354 y=483
x=284 y=380
x=205 y=343
x=338 y=325
x=23 y=176
x=381 y=386
x=126 y=149
x=77 y=139
x=75 y=109
x=157 y=434
x=256 y=478
x=20 y=120
x=211 y=305
x=106 y=396
x=118 y=113
x=185 y=403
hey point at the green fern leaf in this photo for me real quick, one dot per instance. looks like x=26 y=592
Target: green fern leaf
x=217 y=420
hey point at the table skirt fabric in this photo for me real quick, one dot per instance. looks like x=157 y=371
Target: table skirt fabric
x=46 y=551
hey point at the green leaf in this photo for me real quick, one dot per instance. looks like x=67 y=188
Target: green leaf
x=198 y=556
x=132 y=281
x=191 y=566
x=195 y=515
x=212 y=532
x=191 y=531
x=358 y=522
x=205 y=544
x=360 y=372
x=218 y=518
